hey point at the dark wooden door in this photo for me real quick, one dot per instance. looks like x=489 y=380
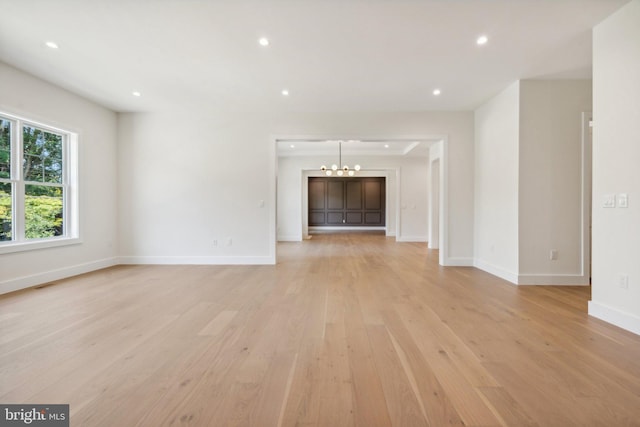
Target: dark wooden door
x=348 y=202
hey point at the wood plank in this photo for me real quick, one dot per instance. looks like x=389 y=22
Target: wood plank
x=346 y=330
x=507 y=409
x=437 y=406
x=464 y=395
x=404 y=406
x=219 y=323
x=369 y=407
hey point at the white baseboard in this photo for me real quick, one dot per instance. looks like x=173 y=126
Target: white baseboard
x=553 y=279
x=622 y=319
x=197 y=260
x=344 y=227
x=458 y=262
x=290 y=238
x=411 y=239
x=25 y=282
x=496 y=271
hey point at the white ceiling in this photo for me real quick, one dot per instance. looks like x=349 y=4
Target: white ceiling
x=332 y=55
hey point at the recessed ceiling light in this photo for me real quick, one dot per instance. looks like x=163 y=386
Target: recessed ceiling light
x=285 y=92
x=136 y=93
x=52 y=45
x=292 y=146
x=437 y=92
x=386 y=145
x=263 y=41
x=482 y=40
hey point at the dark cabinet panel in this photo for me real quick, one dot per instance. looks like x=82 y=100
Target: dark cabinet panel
x=347 y=202
x=373 y=195
x=317 y=217
x=354 y=218
x=334 y=218
x=372 y=218
x=317 y=191
x=335 y=195
x=354 y=195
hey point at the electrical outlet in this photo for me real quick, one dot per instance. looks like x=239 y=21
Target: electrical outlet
x=623 y=200
x=553 y=254
x=229 y=241
x=215 y=242
x=623 y=281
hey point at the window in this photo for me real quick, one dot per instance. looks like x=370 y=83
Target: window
x=37 y=185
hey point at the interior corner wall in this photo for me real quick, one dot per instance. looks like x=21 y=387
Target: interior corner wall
x=496 y=184
x=616 y=150
x=192 y=177
x=550 y=181
x=26 y=96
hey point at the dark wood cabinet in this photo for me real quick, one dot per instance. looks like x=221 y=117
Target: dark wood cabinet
x=347 y=202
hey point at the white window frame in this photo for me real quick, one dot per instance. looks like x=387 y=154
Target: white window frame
x=71 y=229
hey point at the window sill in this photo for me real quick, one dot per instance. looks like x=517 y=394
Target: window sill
x=7 y=248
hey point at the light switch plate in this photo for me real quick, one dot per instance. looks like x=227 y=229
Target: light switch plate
x=623 y=200
x=609 y=201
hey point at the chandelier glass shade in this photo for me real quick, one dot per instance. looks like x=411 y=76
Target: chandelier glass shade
x=343 y=170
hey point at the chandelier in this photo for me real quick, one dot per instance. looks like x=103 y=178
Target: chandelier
x=340 y=170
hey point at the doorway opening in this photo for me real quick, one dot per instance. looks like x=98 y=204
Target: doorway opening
x=403 y=162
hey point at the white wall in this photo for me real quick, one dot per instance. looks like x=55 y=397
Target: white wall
x=220 y=166
x=616 y=151
x=188 y=179
x=496 y=184
x=29 y=97
x=407 y=173
x=550 y=180
x=414 y=200
x=528 y=186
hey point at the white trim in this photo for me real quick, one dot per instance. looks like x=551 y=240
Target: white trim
x=34 y=244
x=553 y=279
x=272 y=200
x=345 y=228
x=622 y=319
x=433 y=225
x=398 y=206
x=304 y=201
x=197 y=260
x=25 y=282
x=290 y=238
x=412 y=239
x=586 y=189
x=458 y=262
x=443 y=220
x=496 y=271
x=69 y=186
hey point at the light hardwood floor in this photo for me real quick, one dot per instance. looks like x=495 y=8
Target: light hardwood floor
x=345 y=330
